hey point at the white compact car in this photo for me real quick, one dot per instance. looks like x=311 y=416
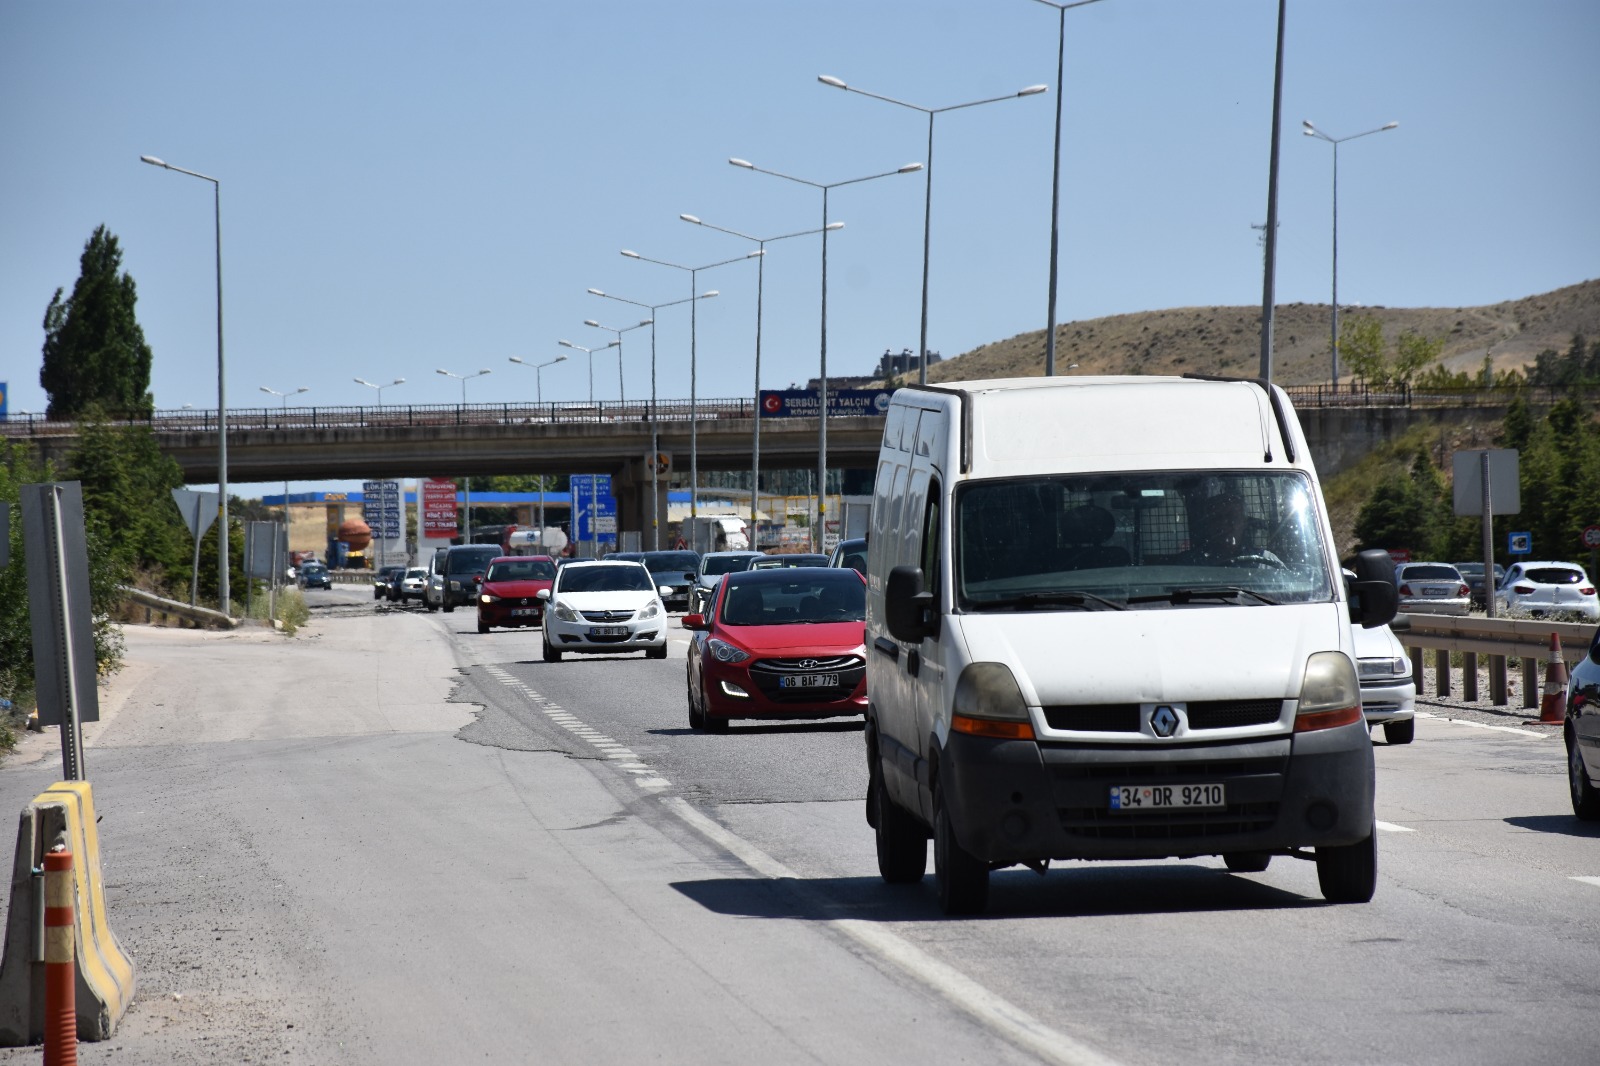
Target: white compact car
x=1539 y=589
x=604 y=607
x=1388 y=693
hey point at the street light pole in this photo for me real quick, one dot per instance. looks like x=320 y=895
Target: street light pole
x=621 y=393
x=380 y=388
x=822 y=377
x=224 y=596
x=466 y=482
x=590 y=353
x=1311 y=131
x=1055 y=180
x=694 y=415
x=755 y=428
x=655 y=428
x=538 y=375
x=927 y=208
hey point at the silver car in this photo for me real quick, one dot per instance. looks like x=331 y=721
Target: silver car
x=1432 y=588
x=1388 y=694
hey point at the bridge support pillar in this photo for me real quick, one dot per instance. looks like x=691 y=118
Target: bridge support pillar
x=631 y=487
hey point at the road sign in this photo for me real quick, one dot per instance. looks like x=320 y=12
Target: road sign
x=1520 y=544
x=1591 y=537
x=380 y=506
x=660 y=463
x=592 y=506
x=438 y=508
x=199 y=510
x=1505 y=489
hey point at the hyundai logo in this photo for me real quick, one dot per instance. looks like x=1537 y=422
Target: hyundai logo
x=808 y=664
x=1163 y=721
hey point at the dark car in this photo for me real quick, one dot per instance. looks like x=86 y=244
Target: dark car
x=672 y=570
x=851 y=553
x=779 y=644
x=459 y=571
x=386 y=581
x=509 y=595
x=313 y=576
x=1582 y=733
x=1473 y=572
x=774 y=562
x=712 y=566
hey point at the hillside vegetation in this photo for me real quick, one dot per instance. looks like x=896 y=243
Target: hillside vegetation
x=1226 y=340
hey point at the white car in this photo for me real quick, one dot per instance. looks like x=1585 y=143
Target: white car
x=1543 y=588
x=1388 y=693
x=604 y=607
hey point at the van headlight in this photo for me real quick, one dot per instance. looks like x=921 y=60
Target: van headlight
x=1330 y=695
x=989 y=703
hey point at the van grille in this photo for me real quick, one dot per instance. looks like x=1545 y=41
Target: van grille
x=1102 y=824
x=1228 y=714
x=1094 y=717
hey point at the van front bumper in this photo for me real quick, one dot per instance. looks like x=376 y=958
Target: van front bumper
x=1014 y=801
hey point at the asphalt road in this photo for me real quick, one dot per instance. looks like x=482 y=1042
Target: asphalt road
x=390 y=839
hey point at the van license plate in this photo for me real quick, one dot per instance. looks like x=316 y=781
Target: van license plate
x=809 y=681
x=1161 y=797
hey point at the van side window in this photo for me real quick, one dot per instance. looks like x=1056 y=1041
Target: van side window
x=930 y=539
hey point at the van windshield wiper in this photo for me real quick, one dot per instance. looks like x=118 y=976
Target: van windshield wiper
x=1027 y=601
x=1211 y=592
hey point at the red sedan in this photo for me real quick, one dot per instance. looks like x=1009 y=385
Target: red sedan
x=510 y=591
x=779 y=644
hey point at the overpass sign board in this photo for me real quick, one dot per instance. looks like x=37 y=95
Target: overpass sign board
x=802 y=403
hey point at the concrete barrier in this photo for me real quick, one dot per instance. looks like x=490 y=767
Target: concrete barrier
x=62 y=814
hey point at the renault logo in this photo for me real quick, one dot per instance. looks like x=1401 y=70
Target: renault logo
x=1163 y=721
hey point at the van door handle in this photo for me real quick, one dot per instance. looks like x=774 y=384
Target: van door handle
x=913 y=662
x=887 y=647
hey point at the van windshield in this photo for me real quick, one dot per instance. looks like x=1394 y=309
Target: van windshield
x=1142 y=539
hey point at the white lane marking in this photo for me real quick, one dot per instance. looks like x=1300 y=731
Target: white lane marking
x=1595 y=881
x=988 y=1009
x=1479 y=725
x=1390 y=827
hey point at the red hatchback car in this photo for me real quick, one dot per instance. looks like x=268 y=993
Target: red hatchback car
x=510 y=591
x=779 y=644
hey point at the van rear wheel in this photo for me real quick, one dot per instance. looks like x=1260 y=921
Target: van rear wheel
x=962 y=877
x=902 y=843
x=1349 y=873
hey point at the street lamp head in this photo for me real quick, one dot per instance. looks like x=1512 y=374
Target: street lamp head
x=757 y=254
x=691 y=218
x=152 y=160
x=909 y=168
x=567 y=344
x=398 y=381
x=263 y=388
x=646 y=322
x=1391 y=125
x=559 y=359
x=1034 y=90
x=709 y=293
x=596 y=292
x=834 y=225
x=630 y=255
x=303 y=388
x=446 y=373
x=590 y=321
x=364 y=381
x=829 y=79
x=514 y=359
x=743 y=163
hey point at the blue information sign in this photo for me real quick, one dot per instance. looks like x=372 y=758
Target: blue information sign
x=594 y=509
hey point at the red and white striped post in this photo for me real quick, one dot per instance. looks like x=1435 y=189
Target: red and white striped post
x=60 y=976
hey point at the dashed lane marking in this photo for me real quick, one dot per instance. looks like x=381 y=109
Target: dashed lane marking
x=1390 y=827
x=1595 y=881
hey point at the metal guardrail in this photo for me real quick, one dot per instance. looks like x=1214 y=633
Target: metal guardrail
x=198 y=616
x=1498 y=638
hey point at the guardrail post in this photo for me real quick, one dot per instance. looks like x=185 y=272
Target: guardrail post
x=1497 y=681
x=1418 y=661
x=1530 y=682
x=1441 y=666
x=1469 y=676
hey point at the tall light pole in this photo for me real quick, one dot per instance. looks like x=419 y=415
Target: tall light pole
x=1312 y=131
x=694 y=410
x=927 y=207
x=1055 y=180
x=380 y=388
x=755 y=428
x=655 y=428
x=466 y=482
x=223 y=592
x=284 y=396
x=590 y=353
x=822 y=376
x=538 y=375
x=621 y=393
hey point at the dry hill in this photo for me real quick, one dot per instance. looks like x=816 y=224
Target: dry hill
x=1226 y=340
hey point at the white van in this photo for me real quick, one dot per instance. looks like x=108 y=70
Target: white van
x=1107 y=622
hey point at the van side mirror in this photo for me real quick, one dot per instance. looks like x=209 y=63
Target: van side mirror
x=908 y=607
x=1374 y=600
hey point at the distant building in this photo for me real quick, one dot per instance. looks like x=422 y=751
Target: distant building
x=889 y=366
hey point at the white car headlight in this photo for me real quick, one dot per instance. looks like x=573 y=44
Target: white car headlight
x=650 y=611
x=725 y=652
x=563 y=613
x=1384 y=669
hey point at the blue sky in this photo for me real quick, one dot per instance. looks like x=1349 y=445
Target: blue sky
x=408 y=186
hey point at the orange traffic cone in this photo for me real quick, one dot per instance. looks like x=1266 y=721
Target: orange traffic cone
x=1553 y=708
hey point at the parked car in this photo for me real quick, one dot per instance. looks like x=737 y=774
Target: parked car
x=1432 y=588
x=604 y=607
x=382 y=580
x=851 y=553
x=457 y=572
x=1473 y=572
x=1538 y=589
x=411 y=585
x=509 y=595
x=1582 y=733
x=779 y=644
x=777 y=562
x=673 y=570
x=313 y=576
x=712 y=566
x=1388 y=692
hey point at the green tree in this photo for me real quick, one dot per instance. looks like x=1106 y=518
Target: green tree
x=1361 y=348
x=94 y=349
x=127 y=490
x=1413 y=353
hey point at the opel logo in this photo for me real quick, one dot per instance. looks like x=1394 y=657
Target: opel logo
x=1164 y=721
x=809 y=664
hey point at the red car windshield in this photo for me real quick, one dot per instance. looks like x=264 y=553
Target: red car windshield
x=523 y=570
x=828 y=596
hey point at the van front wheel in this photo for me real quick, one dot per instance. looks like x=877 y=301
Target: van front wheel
x=902 y=843
x=1349 y=874
x=963 y=878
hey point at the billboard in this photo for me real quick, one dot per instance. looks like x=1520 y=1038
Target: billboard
x=438 y=501
x=802 y=403
x=380 y=507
